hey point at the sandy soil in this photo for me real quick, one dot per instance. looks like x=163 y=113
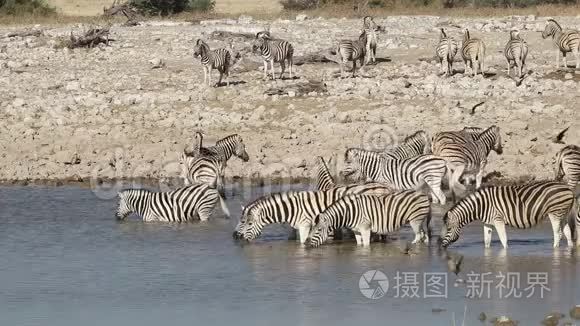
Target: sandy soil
x=107 y=113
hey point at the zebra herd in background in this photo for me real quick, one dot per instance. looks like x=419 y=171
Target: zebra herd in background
x=384 y=192
x=363 y=50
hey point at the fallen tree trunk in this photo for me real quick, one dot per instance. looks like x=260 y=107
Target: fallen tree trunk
x=89 y=39
x=28 y=32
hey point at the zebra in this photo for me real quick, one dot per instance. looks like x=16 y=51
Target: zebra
x=516 y=50
x=446 y=50
x=213 y=59
x=522 y=207
x=274 y=51
x=412 y=146
x=296 y=208
x=470 y=157
x=473 y=52
x=324 y=179
x=381 y=214
x=202 y=169
x=409 y=173
x=566 y=40
x=443 y=138
x=371 y=29
x=568 y=165
x=181 y=205
x=348 y=50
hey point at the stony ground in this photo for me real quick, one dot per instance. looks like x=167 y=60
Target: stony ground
x=127 y=109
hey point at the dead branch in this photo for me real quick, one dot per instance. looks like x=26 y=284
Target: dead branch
x=558 y=138
x=126 y=9
x=90 y=38
x=475 y=107
x=25 y=33
x=299 y=89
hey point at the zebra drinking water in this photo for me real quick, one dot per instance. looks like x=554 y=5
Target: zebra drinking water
x=380 y=214
x=274 y=51
x=296 y=208
x=446 y=50
x=516 y=51
x=405 y=174
x=522 y=207
x=181 y=205
x=473 y=53
x=566 y=40
x=568 y=165
x=213 y=59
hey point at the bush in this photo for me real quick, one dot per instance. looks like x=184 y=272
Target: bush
x=21 y=7
x=170 y=7
x=299 y=4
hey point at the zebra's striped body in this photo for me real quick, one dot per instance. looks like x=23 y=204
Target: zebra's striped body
x=516 y=51
x=467 y=134
x=181 y=205
x=202 y=170
x=380 y=214
x=348 y=50
x=296 y=208
x=566 y=40
x=521 y=207
x=473 y=53
x=324 y=179
x=412 y=146
x=446 y=51
x=568 y=165
x=469 y=157
x=274 y=51
x=371 y=30
x=213 y=59
x=405 y=174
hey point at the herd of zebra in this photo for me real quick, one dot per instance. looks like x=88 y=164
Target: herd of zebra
x=364 y=50
x=384 y=191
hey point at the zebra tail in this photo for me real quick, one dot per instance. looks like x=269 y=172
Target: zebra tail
x=428 y=223
x=224 y=206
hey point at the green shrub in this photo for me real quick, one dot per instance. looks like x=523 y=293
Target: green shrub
x=22 y=7
x=170 y=7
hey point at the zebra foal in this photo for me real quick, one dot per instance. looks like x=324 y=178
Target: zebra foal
x=411 y=173
x=446 y=50
x=380 y=214
x=371 y=30
x=274 y=51
x=473 y=53
x=521 y=207
x=349 y=50
x=213 y=59
x=568 y=165
x=516 y=51
x=565 y=39
x=181 y=205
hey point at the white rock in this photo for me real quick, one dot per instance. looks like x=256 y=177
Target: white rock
x=73 y=86
x=156 y=63
x=301 y=17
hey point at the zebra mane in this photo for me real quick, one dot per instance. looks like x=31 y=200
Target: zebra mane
x=491 y=129
x=552 y=20
x=418 y=134
x=443 y=34
x=228 y=138
x=123 y=193
x=253 y=204
x=466 y=35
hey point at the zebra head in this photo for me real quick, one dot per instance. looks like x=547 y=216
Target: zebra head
x=185 y=162
x=126 y=203
x=318 y=234
x=251 y=223
x=259 y=42
x=497 y=146
x=551 y=28
x=200 y=48
x=240 y=149
x=451 y=229
x=353 y=164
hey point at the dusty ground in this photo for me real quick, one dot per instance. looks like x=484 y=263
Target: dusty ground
x=106 y=112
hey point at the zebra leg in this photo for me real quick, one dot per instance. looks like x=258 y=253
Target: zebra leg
x=282 y=68
x=358 y=237
x=272 y=67
x=577 y=56
x=509 y=67
x=353 y=68
x=290 y=65
x=487 y=231
x=265 y=69
x=366 y=237
x=417 y=226
x=479 y=176
x=500 y=229
x=303 y=231
x=568 y=235
x=565 y=59
x=556 y=229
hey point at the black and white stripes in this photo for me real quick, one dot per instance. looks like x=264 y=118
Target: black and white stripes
x=521 y=207
x=566 y=40
x=274 y=51
x=568 y=165
x=379 y=214
x=349 y=50
x=473 y=53
x=372 y=32
x=181 y=205
x=516 y=51
x=213 y=59
x=446 y=50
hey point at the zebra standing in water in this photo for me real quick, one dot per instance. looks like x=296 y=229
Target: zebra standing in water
x=412 y=146
x=568 y=165
x=380 y=214
x=296 y=208
x=371 y=30
x=521 y=207
x=274 y=51
x=217 y=59
x=516 y=51
x=446 y=51
x=181 y=205
x=470 y=157
x=473 y=52
x=405 y=174
x=566 y=40
x=348 y=50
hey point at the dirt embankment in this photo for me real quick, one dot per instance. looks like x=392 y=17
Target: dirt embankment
x=126 y=110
